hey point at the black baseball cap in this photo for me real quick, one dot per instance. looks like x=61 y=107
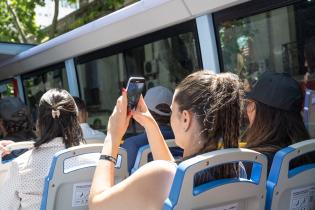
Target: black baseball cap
x=278 y=90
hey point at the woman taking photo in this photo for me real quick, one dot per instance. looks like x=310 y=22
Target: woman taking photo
x=206 y=111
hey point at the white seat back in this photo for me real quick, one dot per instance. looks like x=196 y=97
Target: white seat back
x=94 y=141
x=291 y=188
x=143 y=154
x=121 y=172
x=5 y=167
x=232 y=193
x=69 y=188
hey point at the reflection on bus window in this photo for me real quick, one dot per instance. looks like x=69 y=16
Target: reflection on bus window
x=36 y=84
x=162 y=62
x=272 y=40
x=6 y=89
x=100 y=82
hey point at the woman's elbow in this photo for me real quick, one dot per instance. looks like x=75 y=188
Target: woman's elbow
x=94 y=202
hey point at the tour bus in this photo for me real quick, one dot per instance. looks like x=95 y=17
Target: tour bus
x=150 y=39
x=162 y=41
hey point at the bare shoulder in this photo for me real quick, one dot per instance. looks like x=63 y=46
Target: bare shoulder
x=149 y=186
x=150 y=173
x=157 y=167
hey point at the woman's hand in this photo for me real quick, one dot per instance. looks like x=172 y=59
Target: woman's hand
x=119 y=120
x=3 y=150
x=156 y=140
x=142 y=114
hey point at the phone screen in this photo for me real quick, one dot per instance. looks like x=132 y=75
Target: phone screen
x=134 y=89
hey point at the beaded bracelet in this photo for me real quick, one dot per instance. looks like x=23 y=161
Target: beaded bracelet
x=107 y=157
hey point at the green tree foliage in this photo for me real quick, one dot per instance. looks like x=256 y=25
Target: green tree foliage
x=17 y=21
x=101 y=7
x=53 y=28
x=113 y=4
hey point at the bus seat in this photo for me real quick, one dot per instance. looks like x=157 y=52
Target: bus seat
x=219 y=194
x=94 y=141
x=68 y=188
x=5 y=166
x=121 y=172
x=291 y=188
x=144 y=151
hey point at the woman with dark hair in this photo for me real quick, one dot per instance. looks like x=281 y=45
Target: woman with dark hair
x=57 y=128
x=15 y=123
x=206 y=111
x=16 y=120
x=274 y=111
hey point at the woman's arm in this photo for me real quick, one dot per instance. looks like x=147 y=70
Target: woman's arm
x=145 y=189
x=156 y=140
x=117 y=126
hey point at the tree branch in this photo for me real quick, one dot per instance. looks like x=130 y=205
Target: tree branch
x=55 y=20
x=16 y=22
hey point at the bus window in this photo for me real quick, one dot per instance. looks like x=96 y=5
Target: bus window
x=38 y=82
x=265 y=36
x=164 y=62
x=100 y=85
x=163 y=58
x=7 y=89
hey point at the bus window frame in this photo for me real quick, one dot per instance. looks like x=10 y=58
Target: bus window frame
x=181 y=28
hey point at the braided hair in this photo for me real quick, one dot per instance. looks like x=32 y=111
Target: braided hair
x=58 y=118
x=216 y=101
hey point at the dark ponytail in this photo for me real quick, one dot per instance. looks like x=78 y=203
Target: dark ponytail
x=57 y=117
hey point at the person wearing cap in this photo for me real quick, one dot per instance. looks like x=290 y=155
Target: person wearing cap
x=273 y=108
x=16 y=124
x=158 y=100
x=88 y=132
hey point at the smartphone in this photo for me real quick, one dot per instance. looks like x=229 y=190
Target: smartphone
x=135 y=87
